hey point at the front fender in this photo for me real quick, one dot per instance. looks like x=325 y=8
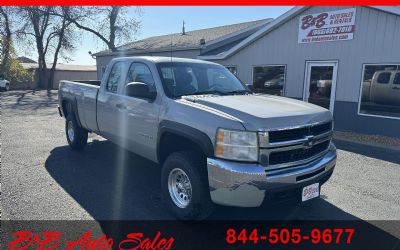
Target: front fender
x=190 y=133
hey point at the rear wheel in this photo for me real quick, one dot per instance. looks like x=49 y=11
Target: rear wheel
x=76 y=135
x=185 y=187
x=7 y=88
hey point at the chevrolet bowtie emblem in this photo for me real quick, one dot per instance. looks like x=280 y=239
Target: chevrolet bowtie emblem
x=309 y=142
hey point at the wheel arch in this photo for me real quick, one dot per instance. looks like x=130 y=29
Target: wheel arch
x=173 y=136
x=69 y=106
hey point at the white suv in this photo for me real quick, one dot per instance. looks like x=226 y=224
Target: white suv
x=4 y=84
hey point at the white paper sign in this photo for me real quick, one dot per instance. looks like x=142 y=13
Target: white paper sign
x=327 y=26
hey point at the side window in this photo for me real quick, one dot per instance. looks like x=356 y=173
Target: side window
x=139 y=72
x=384 y=78
x=270 y=79
x=232 y=69
x=114 y=77
x=397 y=79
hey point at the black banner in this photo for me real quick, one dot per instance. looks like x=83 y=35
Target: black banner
x=200 y=235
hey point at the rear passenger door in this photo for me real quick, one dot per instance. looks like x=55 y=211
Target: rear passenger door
x=140 y=117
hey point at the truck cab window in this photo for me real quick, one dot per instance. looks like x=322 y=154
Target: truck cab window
x=114 y=77
x=139 y=72
x=181 y=79
x=397 y=79
x=384 y=78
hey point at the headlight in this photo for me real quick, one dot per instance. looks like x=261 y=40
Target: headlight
x=236 y=145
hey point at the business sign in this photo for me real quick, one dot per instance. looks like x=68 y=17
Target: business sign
x=327 y=26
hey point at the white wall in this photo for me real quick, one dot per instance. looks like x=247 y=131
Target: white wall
x=73 y=75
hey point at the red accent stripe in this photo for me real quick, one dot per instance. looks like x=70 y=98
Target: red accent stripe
x=200 y=2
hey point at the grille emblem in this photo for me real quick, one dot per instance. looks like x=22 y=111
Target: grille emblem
x=309 y=142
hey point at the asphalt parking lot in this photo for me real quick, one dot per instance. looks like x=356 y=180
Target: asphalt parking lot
x=43 y=179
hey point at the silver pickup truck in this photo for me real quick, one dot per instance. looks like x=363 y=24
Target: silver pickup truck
x=215 y=140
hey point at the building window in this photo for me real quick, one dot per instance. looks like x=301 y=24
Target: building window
x=269 y=79
x=232 y=69
x=380 y=92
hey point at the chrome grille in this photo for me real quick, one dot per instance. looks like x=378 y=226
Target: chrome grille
x=298 y=154
x=298 y=133
x=294 y=146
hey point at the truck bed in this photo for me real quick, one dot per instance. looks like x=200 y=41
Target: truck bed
x=90 y=82
x=84 y=95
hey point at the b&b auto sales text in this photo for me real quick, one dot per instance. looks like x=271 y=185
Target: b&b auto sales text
x=52 y=240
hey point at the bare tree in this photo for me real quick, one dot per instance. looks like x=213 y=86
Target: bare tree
x=51 y=33
x=112 y=25
x=6 y=35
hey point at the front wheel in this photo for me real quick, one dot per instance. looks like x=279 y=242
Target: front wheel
x=76 y=136
x=7 y=88
x=185 y=187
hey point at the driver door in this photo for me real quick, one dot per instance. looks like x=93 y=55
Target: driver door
x=139 y=125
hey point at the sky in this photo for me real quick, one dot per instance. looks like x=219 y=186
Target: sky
x=166 y=20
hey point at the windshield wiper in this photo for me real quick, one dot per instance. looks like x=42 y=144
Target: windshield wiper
x=208 y=92
x=238 y=92
x=216 y=92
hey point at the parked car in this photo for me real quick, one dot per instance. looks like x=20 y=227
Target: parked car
x=216 y=142
x=384 y=88
x=4 y=84
x=276 y=82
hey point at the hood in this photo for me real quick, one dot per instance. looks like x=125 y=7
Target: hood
x=265 y=111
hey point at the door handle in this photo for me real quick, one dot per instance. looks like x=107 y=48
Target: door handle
x=120 y=106
x=396 y=88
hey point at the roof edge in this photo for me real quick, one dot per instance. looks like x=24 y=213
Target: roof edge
x=239 y=32
x=278 y=21
x=388 y=9
x=209 y=43
x=133 y=52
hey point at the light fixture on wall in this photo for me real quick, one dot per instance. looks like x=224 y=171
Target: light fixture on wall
x=91 y=54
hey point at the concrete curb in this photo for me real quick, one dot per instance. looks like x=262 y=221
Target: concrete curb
x=370 y=144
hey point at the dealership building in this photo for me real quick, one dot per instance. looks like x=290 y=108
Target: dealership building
x=346 y=59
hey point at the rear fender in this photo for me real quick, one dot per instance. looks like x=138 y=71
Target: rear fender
x=74 y=108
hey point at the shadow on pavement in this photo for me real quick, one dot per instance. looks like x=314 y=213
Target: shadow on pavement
x=112 y=183
x=121 y=191
x=30 y=100
x=385 y=154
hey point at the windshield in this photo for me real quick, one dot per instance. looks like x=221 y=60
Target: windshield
x=181 y=79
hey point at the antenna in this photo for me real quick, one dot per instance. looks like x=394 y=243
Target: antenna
x=183 y=28
x=171 y=49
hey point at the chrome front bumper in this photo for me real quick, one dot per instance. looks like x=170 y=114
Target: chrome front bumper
x=248 y=184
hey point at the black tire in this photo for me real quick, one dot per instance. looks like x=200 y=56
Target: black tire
x=194 y=166
x=7 y=87
x=79 y=139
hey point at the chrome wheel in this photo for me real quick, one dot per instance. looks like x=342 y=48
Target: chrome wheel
x=70 y=131
x=179 y=187
x=7 y=87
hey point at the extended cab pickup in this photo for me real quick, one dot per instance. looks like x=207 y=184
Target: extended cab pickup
x=215 y=140
x=384 y=88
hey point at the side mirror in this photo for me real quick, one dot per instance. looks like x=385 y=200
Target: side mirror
x=140 y=90
x=250 y=87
